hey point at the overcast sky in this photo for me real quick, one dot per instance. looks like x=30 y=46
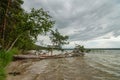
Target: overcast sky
x=92 y=23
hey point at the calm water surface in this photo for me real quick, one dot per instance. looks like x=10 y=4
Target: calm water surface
x=97 y=65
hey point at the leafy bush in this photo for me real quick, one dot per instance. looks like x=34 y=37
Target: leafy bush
x=80 y=49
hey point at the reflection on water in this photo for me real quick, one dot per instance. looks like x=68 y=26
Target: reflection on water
x=103 y=65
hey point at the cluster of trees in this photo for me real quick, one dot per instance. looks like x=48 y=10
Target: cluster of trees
x=19 y=29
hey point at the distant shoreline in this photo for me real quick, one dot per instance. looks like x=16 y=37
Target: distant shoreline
x=96 y=48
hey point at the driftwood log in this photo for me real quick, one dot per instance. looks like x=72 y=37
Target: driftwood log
x=20 y=57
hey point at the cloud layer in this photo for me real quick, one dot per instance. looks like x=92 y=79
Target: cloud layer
x=84 y=20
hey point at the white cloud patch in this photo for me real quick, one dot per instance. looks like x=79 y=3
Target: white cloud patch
x=43 y=40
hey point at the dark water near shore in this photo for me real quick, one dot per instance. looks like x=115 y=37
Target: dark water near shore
x=97 y=65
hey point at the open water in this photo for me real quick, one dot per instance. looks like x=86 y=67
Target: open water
x=96 y=65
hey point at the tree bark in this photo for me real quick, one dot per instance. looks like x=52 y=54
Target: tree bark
x=13 y=43
x=7 y=46
x=4 y=23
x=51 y=51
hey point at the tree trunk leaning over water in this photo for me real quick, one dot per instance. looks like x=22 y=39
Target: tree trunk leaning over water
x=13 y=43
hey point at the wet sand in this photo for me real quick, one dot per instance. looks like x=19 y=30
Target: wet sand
x=55 y=69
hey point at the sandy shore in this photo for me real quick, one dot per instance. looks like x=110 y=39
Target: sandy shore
x=21 y=67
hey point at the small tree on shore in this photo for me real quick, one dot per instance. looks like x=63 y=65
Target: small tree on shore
x=57 y=40
x=79 y=50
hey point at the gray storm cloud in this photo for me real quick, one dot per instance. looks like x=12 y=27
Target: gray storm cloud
x=82 y=20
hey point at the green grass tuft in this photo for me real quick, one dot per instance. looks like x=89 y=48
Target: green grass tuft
x=5 y=59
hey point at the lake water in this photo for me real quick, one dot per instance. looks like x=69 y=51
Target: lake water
x=96 y=65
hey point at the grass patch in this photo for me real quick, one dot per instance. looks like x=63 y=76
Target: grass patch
x=5 y=59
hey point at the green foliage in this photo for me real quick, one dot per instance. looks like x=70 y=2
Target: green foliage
x=57 y=39
x=80 y=49
x=9 y=9
x=2 y=73
x=5 y=59
x=34 y=23
x=41 y=20
x=19 y=28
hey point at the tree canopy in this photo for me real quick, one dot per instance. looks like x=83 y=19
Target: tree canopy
x=58 y=39
x=20 y=28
